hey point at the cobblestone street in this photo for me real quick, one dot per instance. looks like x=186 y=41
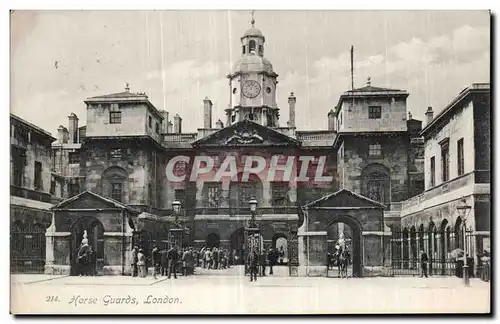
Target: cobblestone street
x=225 y=291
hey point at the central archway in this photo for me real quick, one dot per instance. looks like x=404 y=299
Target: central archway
x=95 y=236
x=354 y=240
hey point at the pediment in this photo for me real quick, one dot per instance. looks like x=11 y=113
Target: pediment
x=246 y=133
x=345 y=198
x=90 y=200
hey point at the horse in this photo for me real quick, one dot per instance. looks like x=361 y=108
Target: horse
x=342 y=262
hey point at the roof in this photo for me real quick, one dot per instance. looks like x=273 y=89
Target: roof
x=124 y=94
x=253 y=63
x=32 y=126
x=115 y=203
x=369 y=91
x=455 y=103
x=252 y=31
x=343 y=191
x=124 y=97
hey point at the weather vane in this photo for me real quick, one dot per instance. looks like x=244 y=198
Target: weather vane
x=253 y=18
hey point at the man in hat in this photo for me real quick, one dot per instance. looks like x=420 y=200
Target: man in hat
x=173 y=257
x=424 y=259
x=253 y=264
x=155 y=260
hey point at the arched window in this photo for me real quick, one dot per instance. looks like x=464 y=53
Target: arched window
x=459 y=239
x=113 y=183
x=375 y=183
x=252 y=46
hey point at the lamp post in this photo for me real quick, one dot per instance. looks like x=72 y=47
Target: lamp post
x=464 y=210
x=176 y=231
x=252 y=229
x=176 y=206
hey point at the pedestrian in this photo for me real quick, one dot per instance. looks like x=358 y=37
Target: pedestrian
x=141 y=263
x=208 y=259
x=215 y=258
x=263 y=261
x=188 y=261
x=282 y=255
x=424 y=259
x=173 y=257
x=271 y=259
x=253 y=264
x=164 y=262
x=133 y=261
x=155 y=260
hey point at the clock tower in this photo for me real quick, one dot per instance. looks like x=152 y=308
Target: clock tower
x=252 y=83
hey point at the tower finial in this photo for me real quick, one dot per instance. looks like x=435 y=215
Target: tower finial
x=369 y=81
x=253 y=18
x=127 y=86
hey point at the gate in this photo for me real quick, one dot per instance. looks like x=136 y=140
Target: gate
x=27 y=248
x=441 y=249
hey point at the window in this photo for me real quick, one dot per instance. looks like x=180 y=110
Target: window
x=252 y=46
x=150 y=122
x=150 y=194
x=243 y=47
x=115 y=117
x=233 y=118
x=460 y=156
x=250 y=116
x=38 y=176
x=74 y=157
x=374 y=112
x=261 y=50
x=18 y=165
x=433 y=172
x=340 y=118
x=374 y=150
x=117 y=191
x=445 y=162
x=157 y=128
x=180 y=195
x=213 y=194
x=279 y=192
x=73 y=188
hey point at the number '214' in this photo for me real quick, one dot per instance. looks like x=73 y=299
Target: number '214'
x=52 y=299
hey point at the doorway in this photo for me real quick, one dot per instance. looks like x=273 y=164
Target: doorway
x=95 y=236
x=347 y=230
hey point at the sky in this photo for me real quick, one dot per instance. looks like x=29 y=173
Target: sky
x=59 y=58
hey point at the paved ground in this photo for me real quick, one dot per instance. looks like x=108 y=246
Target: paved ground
x=228 y=291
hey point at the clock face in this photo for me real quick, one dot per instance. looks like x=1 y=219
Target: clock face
x=251 y=89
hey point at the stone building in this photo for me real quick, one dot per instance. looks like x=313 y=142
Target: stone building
x=457 y=171
x=31 y=188
x=121 y=172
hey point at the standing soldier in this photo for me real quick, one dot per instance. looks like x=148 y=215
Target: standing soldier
x=155 y=260
x=173 y=257
x=253 y=264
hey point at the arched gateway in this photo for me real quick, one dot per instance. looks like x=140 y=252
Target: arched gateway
x=369 y=242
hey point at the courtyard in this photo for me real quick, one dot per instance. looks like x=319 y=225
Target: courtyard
x=229 y=292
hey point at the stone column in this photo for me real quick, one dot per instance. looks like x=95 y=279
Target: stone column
x=49 y=246
x=439 y=255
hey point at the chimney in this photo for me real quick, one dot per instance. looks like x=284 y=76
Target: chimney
x=207 y=113
x=177 y=124
x=291 y=104
x=219 y=124
x=331 y=120
x=164 y=124
x=73 y=128
x=429 y=115
x=170 y=126
x=60 y=134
